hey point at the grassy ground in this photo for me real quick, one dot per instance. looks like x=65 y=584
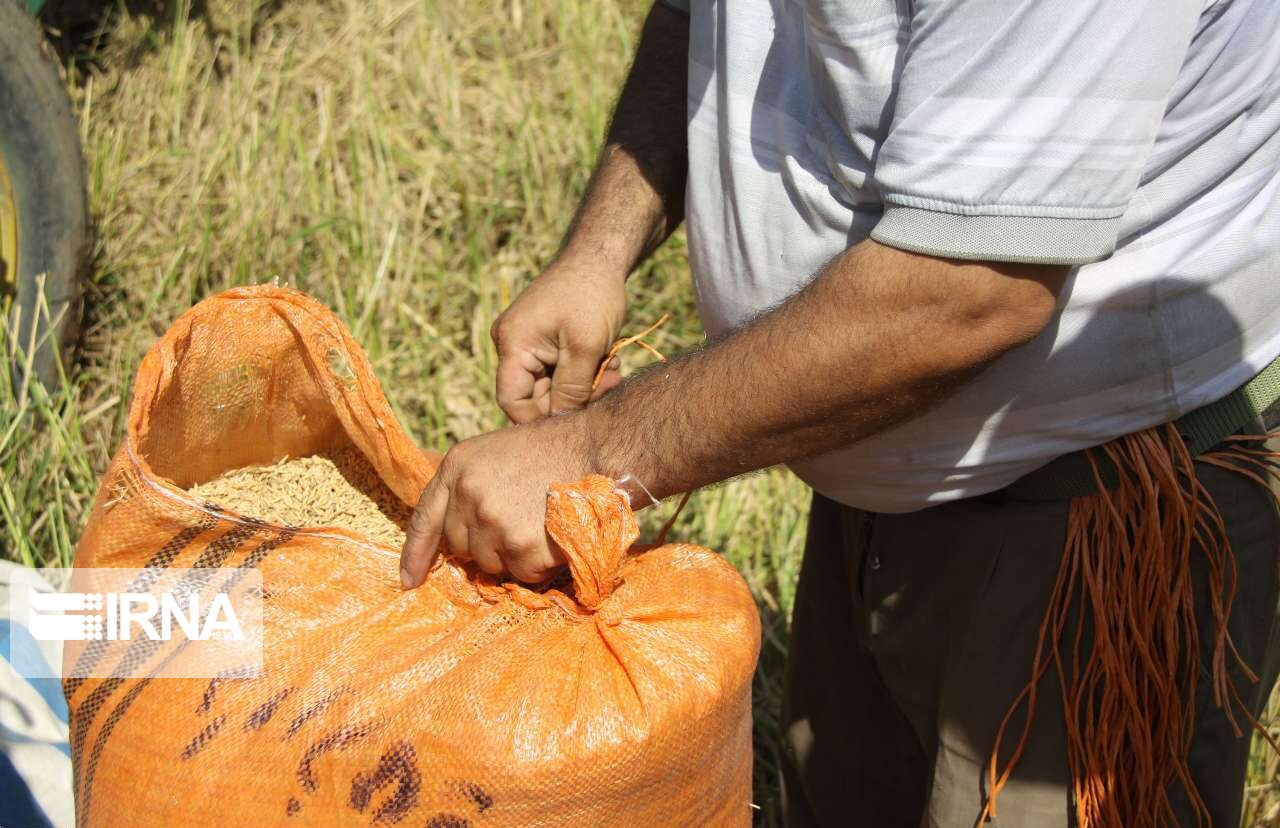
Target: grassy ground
x=411 y=163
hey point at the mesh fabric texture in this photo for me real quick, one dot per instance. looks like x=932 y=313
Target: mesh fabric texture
x=620 y=697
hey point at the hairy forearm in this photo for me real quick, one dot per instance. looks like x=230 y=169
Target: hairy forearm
x=635 y=198
x=878 y=337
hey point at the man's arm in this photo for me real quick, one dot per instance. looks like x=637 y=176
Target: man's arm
x=635 y=198
x=879 y=336
x=550 y=341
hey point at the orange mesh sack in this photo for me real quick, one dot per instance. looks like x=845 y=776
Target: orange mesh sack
x=620 y=696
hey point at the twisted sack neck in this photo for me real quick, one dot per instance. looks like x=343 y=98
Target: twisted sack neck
x=592 y=523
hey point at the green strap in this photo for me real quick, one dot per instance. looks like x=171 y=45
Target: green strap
x=1205 y=427
x=1071 y=475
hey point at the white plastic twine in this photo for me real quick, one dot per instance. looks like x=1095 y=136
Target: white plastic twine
x=666 y=527
x=631 y=478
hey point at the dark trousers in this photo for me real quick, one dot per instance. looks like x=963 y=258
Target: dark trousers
x=913 y=633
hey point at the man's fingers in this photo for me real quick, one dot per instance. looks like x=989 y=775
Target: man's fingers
x=423 y=538
x=542 y=395
x=519 y=373
x=484 y=550
x=529 y=562
x=456 y=531
x=571 y=382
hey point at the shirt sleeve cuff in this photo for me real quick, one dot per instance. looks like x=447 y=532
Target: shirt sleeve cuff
x=681 y=6
x=1029 y=239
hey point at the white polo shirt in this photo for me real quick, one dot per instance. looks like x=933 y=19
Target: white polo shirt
x=1138 y=139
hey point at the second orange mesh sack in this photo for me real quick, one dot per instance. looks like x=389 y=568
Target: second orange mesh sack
x=621 y=697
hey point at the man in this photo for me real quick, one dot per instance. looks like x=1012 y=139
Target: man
x=942 y=247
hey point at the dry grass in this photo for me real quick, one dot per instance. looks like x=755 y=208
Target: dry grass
x=412 y=164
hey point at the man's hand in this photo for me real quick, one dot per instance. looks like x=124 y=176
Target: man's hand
x=488 y=500
x=551 y=339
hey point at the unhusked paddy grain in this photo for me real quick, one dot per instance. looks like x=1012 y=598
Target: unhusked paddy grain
x=339 y=489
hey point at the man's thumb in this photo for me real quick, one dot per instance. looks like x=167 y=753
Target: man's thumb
x=571 y=382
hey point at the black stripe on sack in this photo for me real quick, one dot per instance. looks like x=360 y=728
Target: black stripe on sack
x=142 y=649
x=216 y=553
x=86 y=712
x=202 y=571
x=92 y=654
x=265 y=548
x=251 y=561
x=82 y=717
x=84 y=799
x=82 y=809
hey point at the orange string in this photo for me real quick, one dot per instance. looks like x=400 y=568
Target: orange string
x=1129 y=695
x=637 y=339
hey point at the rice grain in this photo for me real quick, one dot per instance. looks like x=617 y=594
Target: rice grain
x=339 y=488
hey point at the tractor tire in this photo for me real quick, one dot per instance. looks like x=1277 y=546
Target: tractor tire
x=44 y=217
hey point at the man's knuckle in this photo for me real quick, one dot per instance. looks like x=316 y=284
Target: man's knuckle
x=456 y=456
x=447 y=470
x=508 y=339
x=465 y=487
x=486 y=514
x=527 y=573
x=521 y=544
x=584 y=345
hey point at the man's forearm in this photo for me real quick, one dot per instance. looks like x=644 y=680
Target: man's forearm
x=636 y=195
x=878 y=337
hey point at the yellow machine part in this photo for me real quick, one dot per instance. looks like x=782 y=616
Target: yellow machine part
x=8 y=233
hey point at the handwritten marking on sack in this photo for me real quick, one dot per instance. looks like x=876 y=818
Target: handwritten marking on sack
x=399 y=764
x=292 y=808
x=339 y=739
x=483 y=801
x=263 y=713
x=447 y=821
x=206 y=701
x=312 y=711
x=203 y=737
x=470 y=792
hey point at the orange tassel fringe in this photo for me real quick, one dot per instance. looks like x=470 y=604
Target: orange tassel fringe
x=1126 y=572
